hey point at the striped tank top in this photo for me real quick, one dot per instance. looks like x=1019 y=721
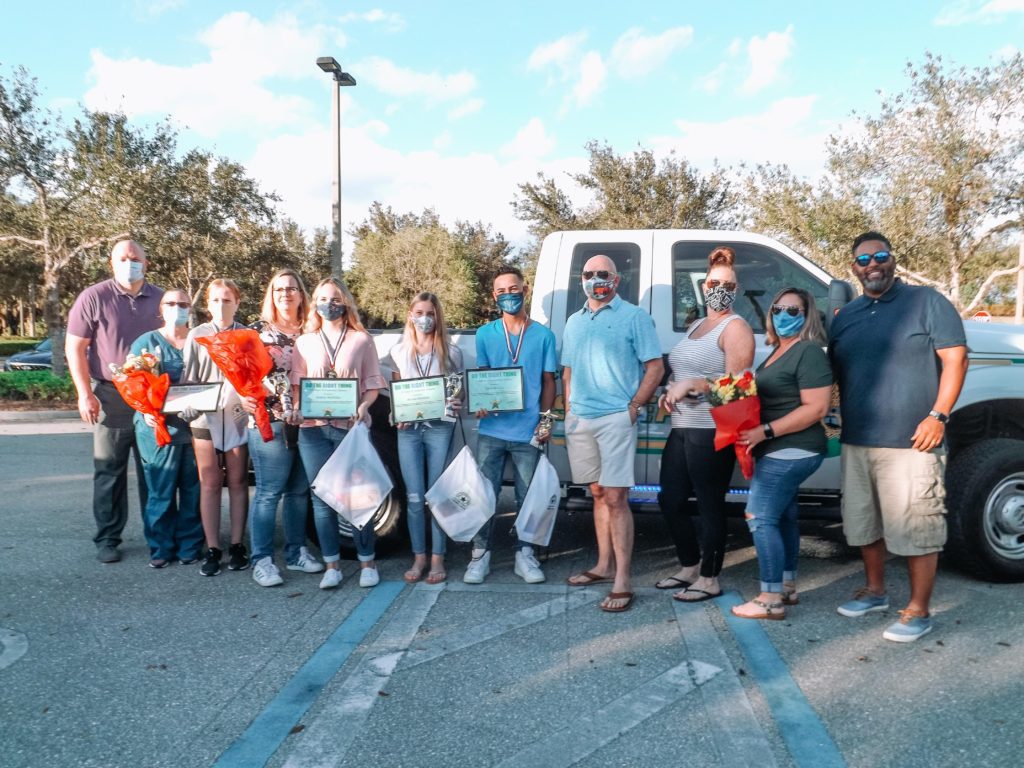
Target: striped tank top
x=697 y=359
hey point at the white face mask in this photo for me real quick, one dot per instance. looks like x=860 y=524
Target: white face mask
x=176 y=315
x=129 y=271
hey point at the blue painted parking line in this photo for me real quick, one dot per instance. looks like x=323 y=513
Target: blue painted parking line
x=264 y=735
x=801 y=729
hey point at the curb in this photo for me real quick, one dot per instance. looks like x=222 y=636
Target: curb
x=21 y=417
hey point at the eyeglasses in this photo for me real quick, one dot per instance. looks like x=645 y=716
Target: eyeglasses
x=289 y=289
x=182 y=304
x=600 y=274
x=729 y=285
x=865 y=258
x=778 y=309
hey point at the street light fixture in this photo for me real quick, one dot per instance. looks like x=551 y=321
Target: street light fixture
x=330 y=65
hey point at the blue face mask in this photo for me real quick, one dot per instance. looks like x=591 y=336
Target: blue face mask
x=179 y=315
x=510 y=303
x=129 y=271
x=331 y=312
x=786 y=325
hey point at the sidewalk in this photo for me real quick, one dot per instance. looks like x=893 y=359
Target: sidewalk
x=43 y=416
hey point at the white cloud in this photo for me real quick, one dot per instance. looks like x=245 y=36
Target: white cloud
x=977 y=12
x=443 y=140
x=531 y=141
x=152 y=9
x=712 y=81
x=591 y=79
x=767 y=55
x=217 y=95
x=565 y=62
x=469 y=107
x=432 y=87
x=635 y=54
x=562 y=54
x=1005 y=53
x=391 y=21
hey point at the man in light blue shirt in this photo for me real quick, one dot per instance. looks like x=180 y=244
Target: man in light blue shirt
x=512 y=341
x=612 y=364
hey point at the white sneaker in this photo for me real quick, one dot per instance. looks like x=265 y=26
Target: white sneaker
x=265 y=573
x=368 y=577
x=478 y=568
x=331 y=579
x=306 y=563
x=527 y=567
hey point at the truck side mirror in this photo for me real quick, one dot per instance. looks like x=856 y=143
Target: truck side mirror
x=840 y=293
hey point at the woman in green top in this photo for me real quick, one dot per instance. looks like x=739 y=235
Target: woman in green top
x=794 y=385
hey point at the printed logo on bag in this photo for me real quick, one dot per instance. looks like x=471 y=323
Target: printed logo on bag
x=553 y=501
x=462 y=500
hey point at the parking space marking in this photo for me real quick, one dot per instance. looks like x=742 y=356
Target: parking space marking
x=14 y=644
x=270 y=728
x=733 y=725
x=801 y=729
x=592 y=730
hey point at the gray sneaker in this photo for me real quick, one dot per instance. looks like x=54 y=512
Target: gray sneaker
x=910 y=627
x=265 y=573
x=305 y=563
x=864 y=601
x=108 y=554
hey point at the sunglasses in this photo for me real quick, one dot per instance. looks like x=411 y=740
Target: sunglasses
x=181 y=304
x=729 y=285
x=600 y=274
x=778 y=309
x=865 y=258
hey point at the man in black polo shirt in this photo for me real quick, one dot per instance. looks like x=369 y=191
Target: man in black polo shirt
x=900 y=357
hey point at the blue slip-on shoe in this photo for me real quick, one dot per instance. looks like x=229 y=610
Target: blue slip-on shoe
x=911 y=626
x=864 y=601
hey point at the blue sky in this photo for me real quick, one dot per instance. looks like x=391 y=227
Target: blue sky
x=457 y=102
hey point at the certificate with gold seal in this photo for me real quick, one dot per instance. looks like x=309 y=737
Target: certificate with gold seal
x=497 y=390
x=420 y=399
x=328 y=398
x=199 y=397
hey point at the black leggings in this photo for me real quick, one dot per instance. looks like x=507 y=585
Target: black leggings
x=690 y=466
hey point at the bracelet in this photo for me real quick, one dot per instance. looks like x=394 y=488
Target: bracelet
x=769 y=433
x=636 y=405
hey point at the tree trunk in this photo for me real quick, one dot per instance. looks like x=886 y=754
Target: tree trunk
x=52 y=314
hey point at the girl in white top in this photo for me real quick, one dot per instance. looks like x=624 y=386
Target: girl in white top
x=423 y=446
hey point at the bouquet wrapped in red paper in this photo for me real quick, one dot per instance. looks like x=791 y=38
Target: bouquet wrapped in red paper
x=243 y=359
x=735 y=407
x=139 y=385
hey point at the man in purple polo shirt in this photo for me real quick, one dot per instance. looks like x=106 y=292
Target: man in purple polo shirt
x=104 y=321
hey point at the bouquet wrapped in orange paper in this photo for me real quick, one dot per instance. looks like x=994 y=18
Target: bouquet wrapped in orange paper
x=735 y=407
x=243 y=359
x=139 y=385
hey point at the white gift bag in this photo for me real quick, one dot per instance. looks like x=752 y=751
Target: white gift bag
x=536 y=519
x=353 y=481
x=462 y=499
x=229 y=425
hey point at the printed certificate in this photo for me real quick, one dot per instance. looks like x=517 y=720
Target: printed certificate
x=328 y=398
x=495 y=389
x=201 y=397
x=417 y=399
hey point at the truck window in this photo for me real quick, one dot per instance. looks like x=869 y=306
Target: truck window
x=761 y=272
x=627 y=262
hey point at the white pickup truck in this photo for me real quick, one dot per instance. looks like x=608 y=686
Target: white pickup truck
x=662 y=272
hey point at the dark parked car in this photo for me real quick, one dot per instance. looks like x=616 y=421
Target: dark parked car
x=39 y=358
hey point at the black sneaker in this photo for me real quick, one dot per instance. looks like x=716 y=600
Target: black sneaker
x=237 y=559
x=211 y=562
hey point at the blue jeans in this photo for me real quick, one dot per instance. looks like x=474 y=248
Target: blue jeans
x=279 y=474
x=772 y=516
x=490 y=456
x=170 y=519
x=316 y=444
x=423 y=455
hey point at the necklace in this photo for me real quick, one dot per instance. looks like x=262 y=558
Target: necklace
x=332 y=352
x=519 y=344
x=430 y=361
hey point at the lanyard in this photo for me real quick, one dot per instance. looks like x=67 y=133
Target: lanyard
x=416 y=358
x=519 y=344
x=332 y=354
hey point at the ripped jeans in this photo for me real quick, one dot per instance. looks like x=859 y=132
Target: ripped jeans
x=423 y=456
x=772 y=516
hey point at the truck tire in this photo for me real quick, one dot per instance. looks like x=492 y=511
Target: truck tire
x=386 y=525
x=985 y=504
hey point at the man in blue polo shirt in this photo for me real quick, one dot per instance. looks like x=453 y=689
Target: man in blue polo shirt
x=508 y=342
x=612 y=364
x=900 y=357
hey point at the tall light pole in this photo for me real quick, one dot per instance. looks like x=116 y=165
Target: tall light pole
x=330 y=65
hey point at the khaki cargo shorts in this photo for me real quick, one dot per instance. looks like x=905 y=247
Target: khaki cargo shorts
x=601 y=450
x=898 y=494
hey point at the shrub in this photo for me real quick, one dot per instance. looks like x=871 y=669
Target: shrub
x=9 y=347
x=36 y=385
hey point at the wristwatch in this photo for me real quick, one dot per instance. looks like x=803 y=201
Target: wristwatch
x=769 y=433
x=939 y=416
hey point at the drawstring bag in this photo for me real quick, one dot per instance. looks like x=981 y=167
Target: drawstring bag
x=354 y=481
x=462 y=499
x=536 y=520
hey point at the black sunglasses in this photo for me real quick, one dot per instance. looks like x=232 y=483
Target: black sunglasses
x=182 y=304
x=600 y=274
x=865 y=258
x=778 y=309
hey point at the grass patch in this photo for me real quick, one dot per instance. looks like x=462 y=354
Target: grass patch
x=36 y=385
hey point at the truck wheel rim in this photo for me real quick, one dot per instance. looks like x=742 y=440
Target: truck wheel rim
x=1004 y=518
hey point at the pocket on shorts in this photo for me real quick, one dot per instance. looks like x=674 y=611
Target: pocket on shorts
x=927 y=524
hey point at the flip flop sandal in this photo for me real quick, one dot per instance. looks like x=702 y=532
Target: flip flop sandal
x=790 y=597
x=589 y=578
x=671 y=582
x=413 y=575
x=772 y=611
x=705 y=595
x=627 y=596
x=437 y=577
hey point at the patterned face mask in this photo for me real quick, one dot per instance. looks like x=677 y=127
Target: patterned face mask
x=331 y=312
x=719 y=299
x=425 y=323
x=598 y=289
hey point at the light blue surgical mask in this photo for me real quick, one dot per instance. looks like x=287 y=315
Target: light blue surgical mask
x=510 y=303
x=787 y=325
x=129 y=271
x=177 y=315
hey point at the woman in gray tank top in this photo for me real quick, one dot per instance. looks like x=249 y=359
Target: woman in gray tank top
x=690 y=466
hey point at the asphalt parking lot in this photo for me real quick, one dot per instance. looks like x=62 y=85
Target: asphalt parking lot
x=122 y=665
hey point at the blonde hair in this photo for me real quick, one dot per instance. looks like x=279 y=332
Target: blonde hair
x=314 y=322
x=268 y=312
x=223 y=282
x=442 y=342
x=813 y=330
